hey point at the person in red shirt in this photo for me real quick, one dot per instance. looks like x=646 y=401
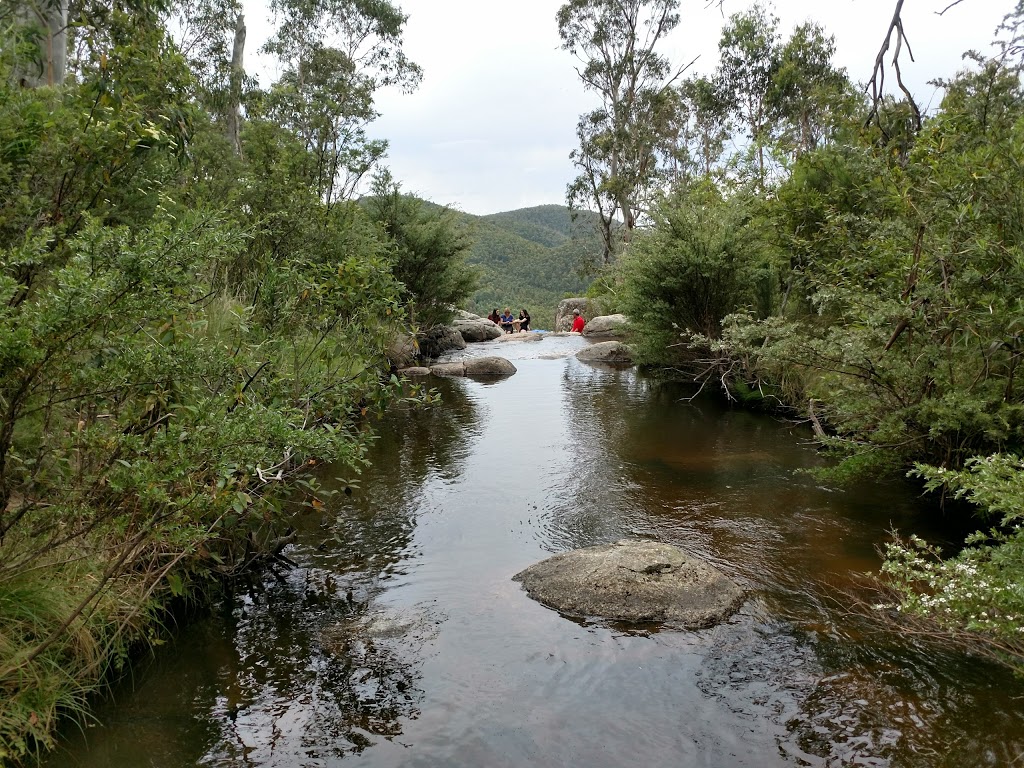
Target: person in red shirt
x=578 y=322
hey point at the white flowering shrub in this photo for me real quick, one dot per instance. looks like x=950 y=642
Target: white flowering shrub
x=981 y=589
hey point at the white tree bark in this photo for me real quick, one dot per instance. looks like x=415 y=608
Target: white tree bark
x=234 y=110
x=49 y=20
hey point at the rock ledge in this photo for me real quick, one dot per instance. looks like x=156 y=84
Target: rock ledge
x=634 y=581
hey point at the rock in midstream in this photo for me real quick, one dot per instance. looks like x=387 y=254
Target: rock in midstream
x=634 y=581
x=611 y=352
x=475 y=366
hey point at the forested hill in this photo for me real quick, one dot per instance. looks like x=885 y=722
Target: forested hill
x=530 y=258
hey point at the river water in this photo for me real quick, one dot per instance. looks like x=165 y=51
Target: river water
x=400 y=640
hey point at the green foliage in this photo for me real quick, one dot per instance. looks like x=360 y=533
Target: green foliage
x=703 y=260
x=183 y=332
x=430 y=248
x=978 y=591
x=912 y=277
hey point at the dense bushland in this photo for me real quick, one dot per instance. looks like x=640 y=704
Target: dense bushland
x=189 y=319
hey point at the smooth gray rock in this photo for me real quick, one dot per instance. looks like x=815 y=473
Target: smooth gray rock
x=457 y=368
x=475 y=366
x=474 y=328
x=519 y=336
x=436 y=341
x=611 y=352
x=606 y=325
x=634 y=581
x=415 y=370
x=564 y=316
x=489 y=366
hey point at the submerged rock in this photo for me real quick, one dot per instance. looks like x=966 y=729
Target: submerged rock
x=613 y=352
x=635 y=581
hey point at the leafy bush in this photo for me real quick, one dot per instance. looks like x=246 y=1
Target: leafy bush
x=703 y=259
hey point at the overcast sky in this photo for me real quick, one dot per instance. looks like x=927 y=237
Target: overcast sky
x=491 y=127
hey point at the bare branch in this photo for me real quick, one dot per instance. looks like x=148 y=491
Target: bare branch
x=951 y=5
x=876 y=85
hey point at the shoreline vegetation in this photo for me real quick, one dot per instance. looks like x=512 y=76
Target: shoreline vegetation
x=194 y=313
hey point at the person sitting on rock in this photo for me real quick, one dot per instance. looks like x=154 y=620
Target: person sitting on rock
x=524 y=320
x=577 y=322
x=494 y=317
x=506 y=320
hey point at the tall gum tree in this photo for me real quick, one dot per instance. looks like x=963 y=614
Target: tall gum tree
x=624 y=142
x=336 y=55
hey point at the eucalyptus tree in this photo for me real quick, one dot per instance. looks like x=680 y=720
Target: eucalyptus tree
x=624 y=142
x=749 y=58
x=211 y=35
x=812 y=97
x=336 y=55
x=705 y=114
x=34 y=32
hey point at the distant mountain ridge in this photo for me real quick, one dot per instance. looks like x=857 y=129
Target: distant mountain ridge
x=530 y=258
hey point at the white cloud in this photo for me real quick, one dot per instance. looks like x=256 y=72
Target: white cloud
x=492 y=124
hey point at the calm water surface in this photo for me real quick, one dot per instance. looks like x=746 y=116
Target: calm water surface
x=402 y=641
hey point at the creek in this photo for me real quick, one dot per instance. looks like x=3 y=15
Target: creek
x=400 y=639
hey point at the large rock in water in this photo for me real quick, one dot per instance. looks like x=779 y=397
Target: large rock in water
x=636 y=581
x=475 y=366
x=610 y=352
x=491 y=365
x=606 y=325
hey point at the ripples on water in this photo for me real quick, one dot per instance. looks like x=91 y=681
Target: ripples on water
x=401 y=641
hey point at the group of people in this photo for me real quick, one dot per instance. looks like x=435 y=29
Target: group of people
x=508 y=323
x=522 y=323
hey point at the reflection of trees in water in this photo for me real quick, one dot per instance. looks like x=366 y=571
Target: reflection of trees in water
x=592 y=502
x=309 y=679
x=322 y=672
x=370 y=530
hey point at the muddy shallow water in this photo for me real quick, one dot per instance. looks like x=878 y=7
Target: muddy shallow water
x=401 y=640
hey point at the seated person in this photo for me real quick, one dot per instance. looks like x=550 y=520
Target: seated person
x=524 y=320
x=506 y=320
x=494 y=317
x=577 y=322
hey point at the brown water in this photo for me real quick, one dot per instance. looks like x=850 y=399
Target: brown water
x=401 y=640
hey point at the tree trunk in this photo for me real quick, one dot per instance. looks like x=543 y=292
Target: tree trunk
x=234 y=110
x=50 y=19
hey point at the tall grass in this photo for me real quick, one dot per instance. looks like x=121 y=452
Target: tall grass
x=64 y=624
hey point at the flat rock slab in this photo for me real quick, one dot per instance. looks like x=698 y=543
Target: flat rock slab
x=520 y=336
x=634 y=581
